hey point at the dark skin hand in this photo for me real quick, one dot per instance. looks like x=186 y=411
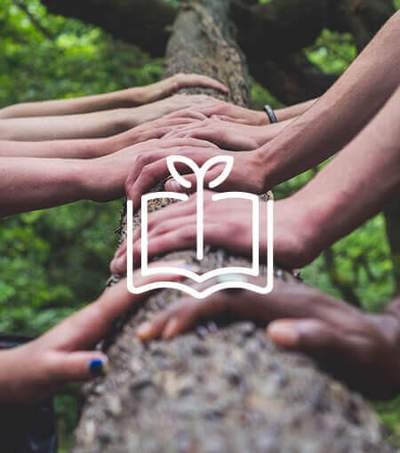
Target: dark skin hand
x=356 y=347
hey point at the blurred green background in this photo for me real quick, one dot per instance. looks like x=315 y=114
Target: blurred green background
x=54 y=261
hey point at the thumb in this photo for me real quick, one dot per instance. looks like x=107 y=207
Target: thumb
x=304 y=334
x=77 y=366
x=172 y=186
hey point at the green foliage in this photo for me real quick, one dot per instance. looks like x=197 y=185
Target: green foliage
x=332 y=51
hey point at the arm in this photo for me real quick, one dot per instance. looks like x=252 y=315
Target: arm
x=351 y=189
x=356 y=347
x=92 y=148
x=229 y=135
x=130 y=97
x=355 y=185
x=341 y=113
x=92 y=125
x=288 y=113
x=28 y=183
x=65 y=353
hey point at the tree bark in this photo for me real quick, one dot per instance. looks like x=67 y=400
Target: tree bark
x=222 y=388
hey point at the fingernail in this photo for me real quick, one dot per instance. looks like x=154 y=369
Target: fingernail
x=170 y=329
x=117 y=263
x=144 y=330
x=172 y=185
x=284 y=334
x=97 y=367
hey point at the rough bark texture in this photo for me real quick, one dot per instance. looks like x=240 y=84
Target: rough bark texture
x=222 y=388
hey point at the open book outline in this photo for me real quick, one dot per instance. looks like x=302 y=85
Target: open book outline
x=228 y=277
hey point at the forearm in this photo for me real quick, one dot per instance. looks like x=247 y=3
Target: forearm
x=65 y=149
x=28 y=184
x=85 y=104
x=357 y=183
x=288 y=113
x=90 y=125
x=264 y=134
x=341 y=113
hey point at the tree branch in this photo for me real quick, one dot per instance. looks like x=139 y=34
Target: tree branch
x=144 y=23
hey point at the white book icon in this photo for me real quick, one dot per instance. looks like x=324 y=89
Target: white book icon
x=228 y=277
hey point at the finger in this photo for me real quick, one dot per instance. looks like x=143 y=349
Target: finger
x=187 y=113
x=147 y=176
x=311 y=334
x=185 y=142
x=229 y=119
x=118 y=263
x=182 y=316
x=76 y=366
x=183 y=238
x=89 y=325
x=173 y=186
x=172 y=224
x=319 y=338
x=189 y=80
x=175 y=210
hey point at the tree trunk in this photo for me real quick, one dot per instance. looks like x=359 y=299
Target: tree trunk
x=225 y=388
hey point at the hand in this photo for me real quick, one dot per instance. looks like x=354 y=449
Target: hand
x=155 y=110
x=64 y=354
x=227 y=224
x=234 y=136
x=358 y=348
x=228 y=135
x=248 y=173
x=104 y=178
x=230 y=112
x=151 y=130
x=166 y=87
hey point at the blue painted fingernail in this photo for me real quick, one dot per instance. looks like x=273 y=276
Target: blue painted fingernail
x=96 y=367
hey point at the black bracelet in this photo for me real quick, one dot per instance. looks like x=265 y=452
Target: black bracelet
x=271 y=114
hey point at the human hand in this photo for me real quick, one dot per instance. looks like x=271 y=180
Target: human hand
x=227 y=224
x=234 y=136
x=225 y=111
x=104 y=178
x=173 y=104
x=358 y=348
x=152 y=130
x=166 y=87
x=228 y=135
x=149 y=168
x=65 y=353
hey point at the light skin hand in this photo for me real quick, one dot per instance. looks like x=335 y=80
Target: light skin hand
x=150 y=168
x=228 y=135
x=104 y=178
x=96 y=124
x=227 y=224
x=166 y=87
x=226 y=111
x=97 y=147
x=358 y=348
x=27 y=184
x=65 y=353
x=342 y=112
x=130 y=97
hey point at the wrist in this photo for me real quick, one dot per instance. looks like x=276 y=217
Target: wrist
x=296 y=236
x=101 y=179
x=269 y=166
x=136 y=96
